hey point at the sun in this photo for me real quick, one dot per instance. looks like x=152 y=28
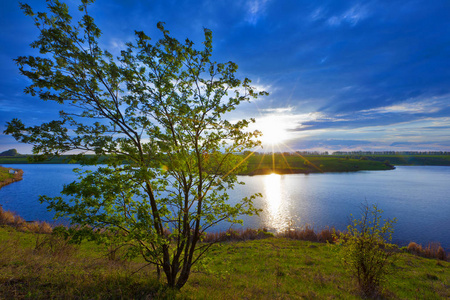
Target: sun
x=272 y=135
x=274 y=130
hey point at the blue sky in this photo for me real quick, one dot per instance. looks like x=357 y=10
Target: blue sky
x=342 y=75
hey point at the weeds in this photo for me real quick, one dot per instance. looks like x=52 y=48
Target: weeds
x=54 y=244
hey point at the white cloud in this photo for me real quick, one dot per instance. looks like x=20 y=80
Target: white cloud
x=279 y=110
x=416 y=107
x=255 y=9
x=352 y=16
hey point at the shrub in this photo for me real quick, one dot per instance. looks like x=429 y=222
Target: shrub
x=326 y=235
x=44 y=227
x=431 y=250
x=30 y=227
x=441 y=254
x=366 y=251
x=414 y=248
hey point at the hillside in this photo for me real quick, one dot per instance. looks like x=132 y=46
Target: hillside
x=42 y=266
x=10 y=152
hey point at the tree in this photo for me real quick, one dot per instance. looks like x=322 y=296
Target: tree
x=367 y=252
x=155 y=119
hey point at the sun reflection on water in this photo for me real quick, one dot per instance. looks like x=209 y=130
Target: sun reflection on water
x=276 y=210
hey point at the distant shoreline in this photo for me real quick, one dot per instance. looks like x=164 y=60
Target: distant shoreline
x=300 y=171
x=294 y=162
x=7 y=179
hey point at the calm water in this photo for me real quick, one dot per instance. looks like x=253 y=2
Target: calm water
x=419 y=197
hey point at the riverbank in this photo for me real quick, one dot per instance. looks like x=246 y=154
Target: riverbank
x=43 y=266
x=262 y=164
x=9 y=175
x=291 y=163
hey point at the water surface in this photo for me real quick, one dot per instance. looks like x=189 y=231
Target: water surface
x=417 y=196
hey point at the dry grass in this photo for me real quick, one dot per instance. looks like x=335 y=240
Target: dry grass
x=53 y=269
x=307 y=233
x=433 y=250
x=11 y=219
x=237 y=235
x=43 y=266
x=6 y=217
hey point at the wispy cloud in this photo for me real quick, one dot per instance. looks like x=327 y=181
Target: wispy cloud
x=351 y=16
x=419 y=107
x=278 y=110
x=255 y=9
x=418 y=118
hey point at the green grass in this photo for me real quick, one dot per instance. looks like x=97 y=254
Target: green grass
x=408 y=160
x=331 y=163
x=4 y=174
x=266 y=164
x=292 y=163
x=7 y=178
x=24 y=159
x=271 y=268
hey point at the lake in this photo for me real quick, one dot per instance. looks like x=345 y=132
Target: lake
x=418 y=196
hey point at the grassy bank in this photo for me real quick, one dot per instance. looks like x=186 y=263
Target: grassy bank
x=406 y=160
x=291 y=163
x=8 y=178
x=43 y=266
x=266 y=164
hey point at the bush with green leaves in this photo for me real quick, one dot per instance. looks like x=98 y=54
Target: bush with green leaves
x=366 y=250
x=156 y=118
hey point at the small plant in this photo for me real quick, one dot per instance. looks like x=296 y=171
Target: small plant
x=367 y=252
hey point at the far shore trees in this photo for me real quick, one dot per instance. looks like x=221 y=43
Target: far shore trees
x=156 y=115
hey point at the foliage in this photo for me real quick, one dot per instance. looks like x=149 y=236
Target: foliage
x=367 y=253
x=155 y=118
